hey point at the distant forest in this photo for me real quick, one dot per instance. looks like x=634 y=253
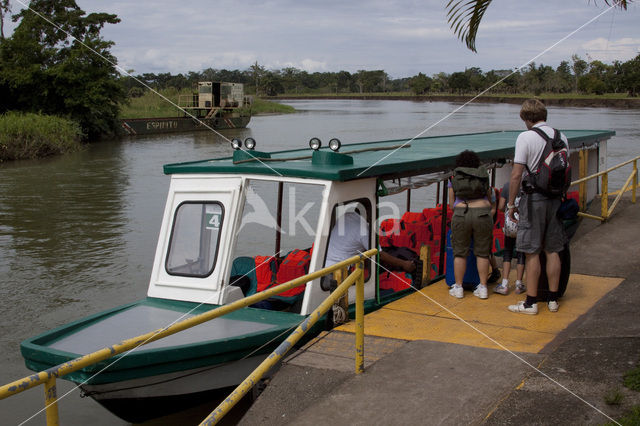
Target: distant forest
x=574 y=76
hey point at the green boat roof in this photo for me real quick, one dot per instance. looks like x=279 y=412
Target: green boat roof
x=375 y=159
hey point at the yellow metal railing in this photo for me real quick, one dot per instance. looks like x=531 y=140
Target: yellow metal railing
x=49 y=376
x=356 y=277
x=631 y=184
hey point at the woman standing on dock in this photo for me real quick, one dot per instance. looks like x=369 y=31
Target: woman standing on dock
x=470 y=192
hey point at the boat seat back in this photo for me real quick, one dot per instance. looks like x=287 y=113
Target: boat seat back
x=244 y=268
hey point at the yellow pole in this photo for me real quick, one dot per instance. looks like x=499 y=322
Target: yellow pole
x=278 y=353
x=622 y=191
x=108 y=352
x=51 y=402
x=635 y=181
x=360 y=320
x=582 y=172
x=605 y=196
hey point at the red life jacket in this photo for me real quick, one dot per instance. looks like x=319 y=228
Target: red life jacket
x=388 y=228
x=395 y=281
x=295 y=265
x=266 y=268
x=416 y=223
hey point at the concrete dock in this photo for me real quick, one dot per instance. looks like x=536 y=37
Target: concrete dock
x=433 y=359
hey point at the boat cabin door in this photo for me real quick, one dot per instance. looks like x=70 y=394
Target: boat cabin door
x=194 y=239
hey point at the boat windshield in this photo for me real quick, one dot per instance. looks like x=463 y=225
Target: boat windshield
x=194 y=239
x=263 y=231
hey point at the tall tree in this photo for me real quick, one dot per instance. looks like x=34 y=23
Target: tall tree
x=464 y=17
x=4 y=11
x=51 y=66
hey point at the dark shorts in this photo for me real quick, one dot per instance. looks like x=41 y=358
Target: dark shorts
x=539 y=228
x=475 y=223
x=509 y=246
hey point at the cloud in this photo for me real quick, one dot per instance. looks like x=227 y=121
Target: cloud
x=609 y=50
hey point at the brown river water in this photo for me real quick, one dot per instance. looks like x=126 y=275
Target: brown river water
x=78 y=232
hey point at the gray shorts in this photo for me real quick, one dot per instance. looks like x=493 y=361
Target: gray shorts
x=539 y=228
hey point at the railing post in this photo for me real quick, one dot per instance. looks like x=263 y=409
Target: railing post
x=360 y=319
x=51 y=402
x=582 y=172
x=635 y=181
x=605 y=196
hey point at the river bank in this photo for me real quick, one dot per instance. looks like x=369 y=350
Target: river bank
x=594 y=102
x=28 y=136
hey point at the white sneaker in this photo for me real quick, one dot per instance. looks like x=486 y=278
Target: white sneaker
x=520 y=287
x=501 y=288
x=521 y=309
x=456 y=290
x=553 y=306
x=481 y=291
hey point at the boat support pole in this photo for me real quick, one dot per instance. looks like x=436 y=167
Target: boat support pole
x=282 y=349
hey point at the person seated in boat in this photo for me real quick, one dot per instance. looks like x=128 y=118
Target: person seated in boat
x=470 y=193
x=350 y=236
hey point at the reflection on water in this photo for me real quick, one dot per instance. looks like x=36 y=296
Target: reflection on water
x=78 y=232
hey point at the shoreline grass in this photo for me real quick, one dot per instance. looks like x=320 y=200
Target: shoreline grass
x=28 y=135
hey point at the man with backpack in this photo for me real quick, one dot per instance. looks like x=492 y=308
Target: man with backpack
x=541 y=165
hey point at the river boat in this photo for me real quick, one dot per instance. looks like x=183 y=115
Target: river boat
x=225 y=219
x=215 y=105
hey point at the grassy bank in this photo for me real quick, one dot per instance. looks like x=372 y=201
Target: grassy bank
x=24 y=136
x=152 y=105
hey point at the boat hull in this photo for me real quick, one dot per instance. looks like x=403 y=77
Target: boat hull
x=145 y=398
x=147 y=126
x=209 y=357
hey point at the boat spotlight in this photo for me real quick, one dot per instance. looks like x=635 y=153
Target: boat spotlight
x=315 y=144
x=236 y=144
x=334 y=144
x=250 y=143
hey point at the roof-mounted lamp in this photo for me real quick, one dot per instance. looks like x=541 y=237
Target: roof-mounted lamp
x=250 y=143
x=315 y=144
x=236 y=144
x=335 y=144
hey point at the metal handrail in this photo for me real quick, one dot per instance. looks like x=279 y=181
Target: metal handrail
x=630 y=184
x=241 y=390
x=48 y=377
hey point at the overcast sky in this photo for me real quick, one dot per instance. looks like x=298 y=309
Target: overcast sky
x=402 y=37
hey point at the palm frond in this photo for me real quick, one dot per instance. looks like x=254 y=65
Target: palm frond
x=464 y=18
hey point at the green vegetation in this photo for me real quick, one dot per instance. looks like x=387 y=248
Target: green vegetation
x=630 y=419
x=613 y=397
x=570 y=79
x=632 y=379
x=44 y=70
x=150 y=104
x=29 y=135
x=262 y=106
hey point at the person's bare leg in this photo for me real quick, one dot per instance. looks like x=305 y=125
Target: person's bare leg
x=459 y=268
x=553 y=270
x=532 y=266
x=483 y=269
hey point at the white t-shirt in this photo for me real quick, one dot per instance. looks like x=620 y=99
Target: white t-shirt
x=349 y=237
x=529 y=146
